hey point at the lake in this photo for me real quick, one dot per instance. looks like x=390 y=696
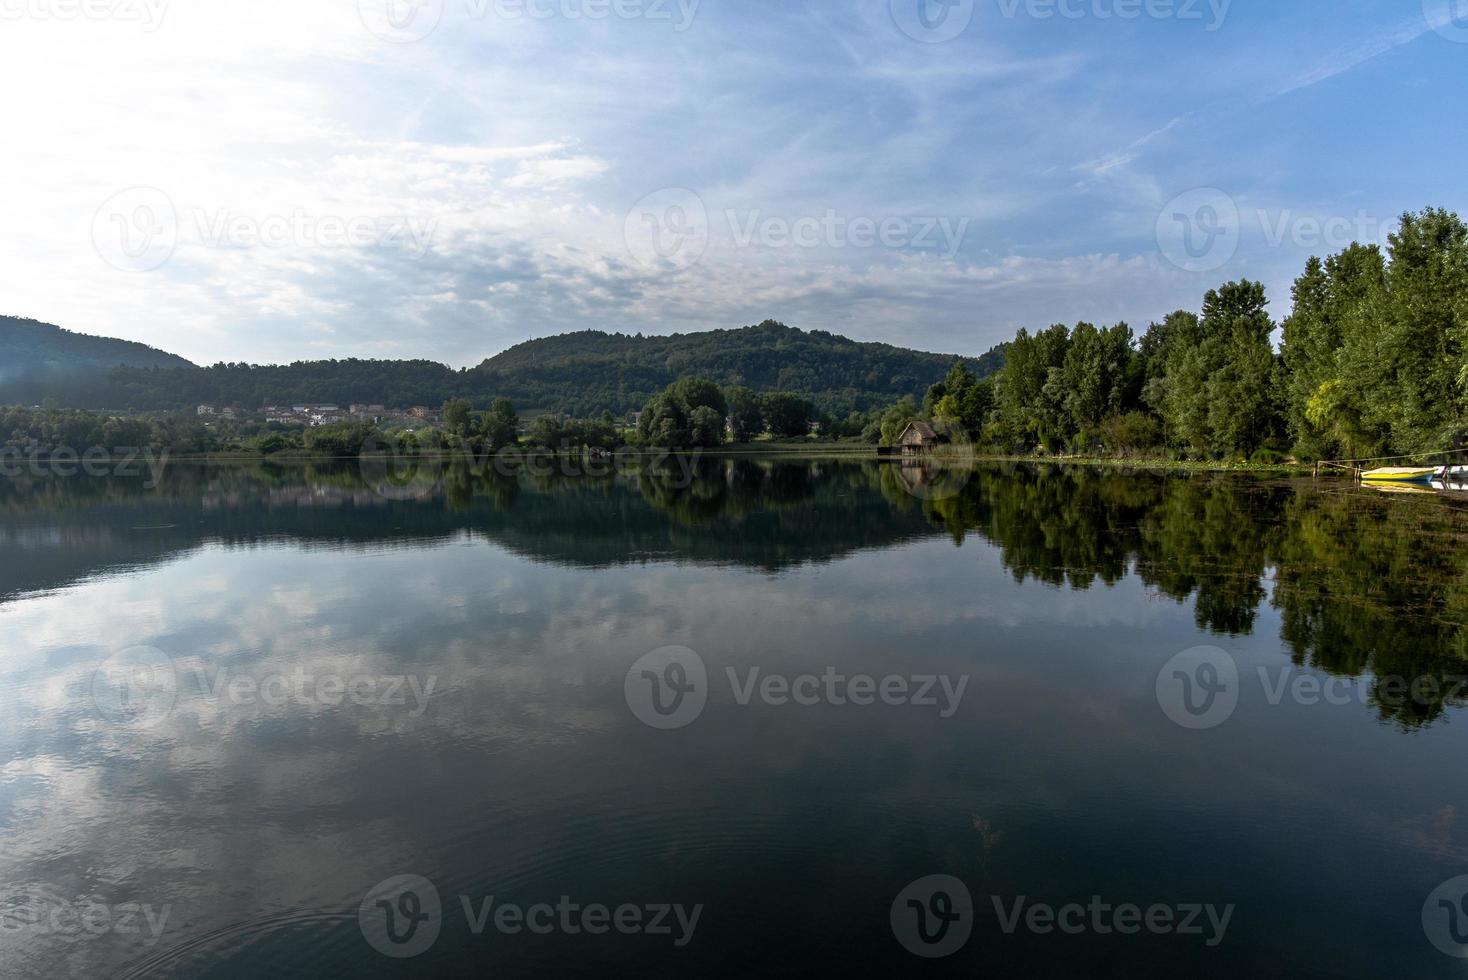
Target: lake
x=728 y=718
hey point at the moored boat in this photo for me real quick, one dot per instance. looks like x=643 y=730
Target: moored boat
x=1401 y=474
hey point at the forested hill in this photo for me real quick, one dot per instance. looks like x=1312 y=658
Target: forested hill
x=582 y=373
x=33 y=350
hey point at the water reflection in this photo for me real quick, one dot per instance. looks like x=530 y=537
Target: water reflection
x=1363 y=583
x=525 y=598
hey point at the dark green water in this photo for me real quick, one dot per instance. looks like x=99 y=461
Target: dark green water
x=250 y=696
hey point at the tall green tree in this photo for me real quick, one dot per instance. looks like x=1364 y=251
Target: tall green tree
x=786 y=415
x=746 y=420
x=500 y=426
x=689 y=414
x=457 y=417
x=1337 y=305
x=1223 y=390
x=1421 y=399
x=1030 y=393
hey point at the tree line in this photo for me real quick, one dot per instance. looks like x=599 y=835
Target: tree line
x=1370 y=362
x=581 y=374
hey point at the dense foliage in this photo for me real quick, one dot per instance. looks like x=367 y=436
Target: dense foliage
x=585 y=373
x=1371 y=362
x=580 y=374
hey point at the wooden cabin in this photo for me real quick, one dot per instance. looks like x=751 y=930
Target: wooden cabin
x=918 y=437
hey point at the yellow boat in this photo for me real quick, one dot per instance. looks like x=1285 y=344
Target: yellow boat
x=1400 y=474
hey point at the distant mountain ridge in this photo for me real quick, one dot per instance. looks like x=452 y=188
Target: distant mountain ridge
x=580 y=371
x=32 y=349
x=582 y=374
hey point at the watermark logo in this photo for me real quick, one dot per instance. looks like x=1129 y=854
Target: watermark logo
x=932 y=21
x=403 y=466
x=1102 y=918
x=933 y=917
x=401 y=21
x=139 y=230
x=1199 y=231
x=668 y=230
x=1448 y=18
x=148 y=13
x=41 y=912
x=1199 y=688
x=299 y=229
x=136 y=230
x=1445 y=917
x=401 y=917
x=140 y=687
x=942 y=471
x=97 y=461
x=1202 y=230
x=310 y=690
x=940 y=692
x=668 y=688
x=1179 y=10
x=408 y=21
x=137 y=687
x=833 y=230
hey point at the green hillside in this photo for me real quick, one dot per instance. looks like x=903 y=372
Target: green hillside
x=34 y=351
x=582 y=374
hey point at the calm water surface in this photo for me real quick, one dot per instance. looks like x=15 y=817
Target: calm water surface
x=234 y=705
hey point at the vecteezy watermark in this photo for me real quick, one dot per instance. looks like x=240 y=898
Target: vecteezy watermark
x=934 y=917
x=833 y=230
x=1201 y=230
x=1448 y=18
x=1211 y=13
x=136 y=230
x=300 y=229
x=932 y=21
x=407 y=21
x=936 y=21
x=1201 y=688
x=401 y=917
x=40 y=913
x=668 y=230
x=940 y=473
x=139 y=230
x=1101 y=918
x=121 y=461
x=137 y=687
x=404 y=916
x=937 y=691
x=140 y=687
x=147 y=13
x=669 y=689
x=317 y=690
x=1445 y=917
x=404 y=467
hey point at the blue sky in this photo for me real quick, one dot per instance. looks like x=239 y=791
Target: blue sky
x=270 y=180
